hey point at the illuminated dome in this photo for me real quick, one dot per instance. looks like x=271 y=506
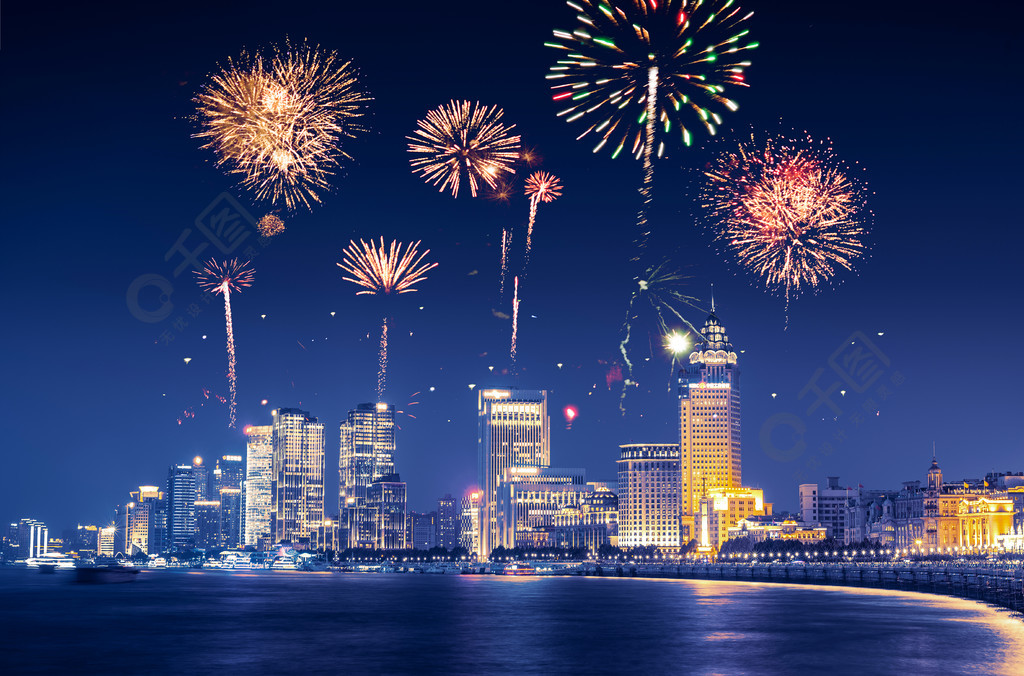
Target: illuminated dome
x=715 y=347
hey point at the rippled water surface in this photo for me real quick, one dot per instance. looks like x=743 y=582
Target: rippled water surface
x=331 y=623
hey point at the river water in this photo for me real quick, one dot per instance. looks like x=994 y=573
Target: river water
x=210 y=622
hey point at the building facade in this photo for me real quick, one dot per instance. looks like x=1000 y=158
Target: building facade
x=366 y=454
x=650 y=498
x=181 y=507
x=386 y=499
x=726 y=507
x=513 y=432
x=529 y=499
x=449 y=522
x=709 y=421
x=146 y=521
x=259 y=464
x=297 y=485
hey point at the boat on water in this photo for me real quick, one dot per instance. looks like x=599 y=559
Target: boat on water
x=50 y=563
x=104 y=574
x=519 y=569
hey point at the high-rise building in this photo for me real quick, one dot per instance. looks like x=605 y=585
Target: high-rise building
x=229 y=472
x=230 y=517
x=33 y=538
x=105 y=541
x=259 y=455
x=513 y=431
x=709 y=421
x=181 y=507
x=9 y=552
x=528 y=500
x=422 y=530
x=207 y=524
x=386 y=497
x=226 y=486
x=448 y=522
x=298 y=477
x=470 y=513
x=202 y=475
x=649 y=497
x=144 y=526
x=366 y=453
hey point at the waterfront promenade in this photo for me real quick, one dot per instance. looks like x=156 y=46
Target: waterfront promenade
x=1001 y=585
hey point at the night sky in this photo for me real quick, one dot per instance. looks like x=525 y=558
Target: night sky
x=101 y=177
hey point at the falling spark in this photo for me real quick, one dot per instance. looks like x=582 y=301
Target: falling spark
x=463 y=139
x=540 y=187
x=278 y=123
x=384 y=271
x=224 y=278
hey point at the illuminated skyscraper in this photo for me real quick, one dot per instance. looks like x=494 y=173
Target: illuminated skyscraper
x=367 y=453
x=649 y=497
x=181 y=507
x=298 y=477
x=202 y=475
x=513 y=431
x=144 y=525
x=449 y=522
x=207 y=524
x=33 y=538
x=709 y=421
x=386 y=498
x=230 y=516
x=228 y=477
x=258 y=479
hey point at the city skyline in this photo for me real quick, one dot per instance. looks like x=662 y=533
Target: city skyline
x=77 y=340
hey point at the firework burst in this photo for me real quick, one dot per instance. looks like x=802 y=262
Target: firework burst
x=463 y=139
x=278 y=123
x=270 y=225
x=540 y=187
x=223 y=278
x=643 y=71
x=659 y=294
x=384 y=271
x=788 y=210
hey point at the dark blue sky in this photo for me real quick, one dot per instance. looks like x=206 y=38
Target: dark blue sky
x=101 y=177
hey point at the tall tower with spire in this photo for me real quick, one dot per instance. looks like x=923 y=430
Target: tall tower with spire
x=709 y=421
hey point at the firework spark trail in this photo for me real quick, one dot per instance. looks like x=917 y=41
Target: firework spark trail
x=515 y=323
x=463 y=139
x=278 y=123
x=382 y=360
x=646 y=193
x=789 y=211
x=223 y=278
x=540 y=187
x=232 y=378
x=506 y=242
x=384 y=271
